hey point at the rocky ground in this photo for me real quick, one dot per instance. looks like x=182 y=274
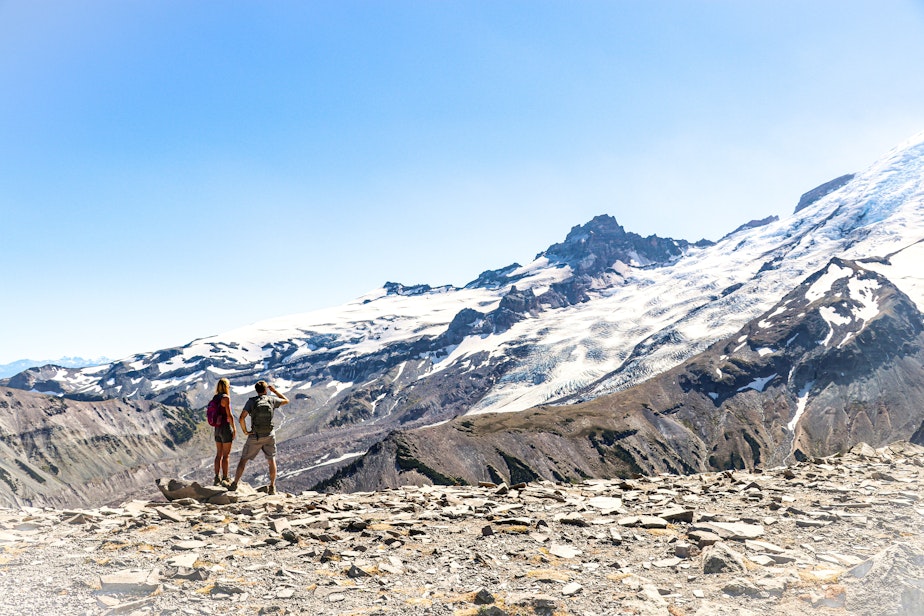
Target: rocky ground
x=840 y=535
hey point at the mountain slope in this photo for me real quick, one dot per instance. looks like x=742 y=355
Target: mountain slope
x=55 y=451
x=838 y=361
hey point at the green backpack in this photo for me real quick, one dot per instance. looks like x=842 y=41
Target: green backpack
x=261 y=417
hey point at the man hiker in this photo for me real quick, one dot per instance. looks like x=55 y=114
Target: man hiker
x=261 y=436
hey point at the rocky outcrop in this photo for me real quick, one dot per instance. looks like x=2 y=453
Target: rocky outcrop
x=753 y=224
x=839 y=535
x=494 y=279
x=824 y=190
x=396 y=288
x=593 y=248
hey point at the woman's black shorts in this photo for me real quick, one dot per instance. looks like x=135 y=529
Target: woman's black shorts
x=224 y=434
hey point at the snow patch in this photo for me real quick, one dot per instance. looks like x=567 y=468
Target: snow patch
x=220 y=371
x=759 y=383
x=375 y=402
x=764 y=324
x=823 y=285
x=345 y=456
x=339 y=387
x=832 y=317
x=401 y=368
x=56 y=394
x=800 y=406
x=863 y=293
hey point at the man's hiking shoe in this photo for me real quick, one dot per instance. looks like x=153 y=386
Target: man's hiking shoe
x=232 y=487
x=217 y=481
x=271 y=490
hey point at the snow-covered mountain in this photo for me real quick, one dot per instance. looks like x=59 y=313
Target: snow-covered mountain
x=839 y=360
x=597 y=314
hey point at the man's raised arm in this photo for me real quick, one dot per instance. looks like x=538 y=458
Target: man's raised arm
x=276 y=393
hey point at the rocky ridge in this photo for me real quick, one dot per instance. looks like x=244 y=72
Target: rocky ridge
x=810 y=197
x=839 y=535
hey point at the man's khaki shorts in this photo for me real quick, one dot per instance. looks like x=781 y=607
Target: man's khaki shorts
x=254 y=445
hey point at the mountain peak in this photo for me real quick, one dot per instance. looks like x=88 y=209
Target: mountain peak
x=596 y=246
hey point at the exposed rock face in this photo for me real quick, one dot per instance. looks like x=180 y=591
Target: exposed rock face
x=396 y=288
x=754 y=224
x=840 y=535
x=66 y=452
x=838 y=361
x=825 y=189
x=593 y=248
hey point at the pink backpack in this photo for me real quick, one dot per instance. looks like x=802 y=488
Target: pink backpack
x=215 y=415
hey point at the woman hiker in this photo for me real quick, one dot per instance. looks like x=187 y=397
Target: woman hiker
x=225 y=432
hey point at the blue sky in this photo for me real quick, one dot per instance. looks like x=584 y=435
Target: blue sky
x=172 y=170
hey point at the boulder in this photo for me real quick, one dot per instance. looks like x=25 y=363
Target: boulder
x=175 y=489
x=719 y=558
x=891 y=582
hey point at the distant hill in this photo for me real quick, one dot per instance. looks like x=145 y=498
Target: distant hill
x=8 y=370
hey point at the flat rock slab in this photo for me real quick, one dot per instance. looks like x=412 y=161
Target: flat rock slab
x=810 y=523
x=605 y=503
x=734 y=530
x=169 y=513
x=187 y=560
x=130 y=581
x=763 y=546
x=645 y=521
x=564 y=551
x=191 y=544
x=677 y=514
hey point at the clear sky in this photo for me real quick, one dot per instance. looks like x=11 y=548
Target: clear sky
x=172 y=170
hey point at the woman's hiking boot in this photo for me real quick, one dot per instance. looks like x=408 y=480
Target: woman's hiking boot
x=271 y=489
x=217 y=481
